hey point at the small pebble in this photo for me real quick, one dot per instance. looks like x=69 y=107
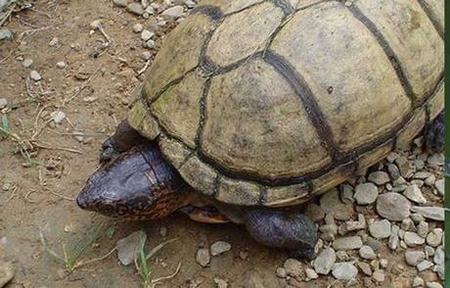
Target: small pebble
x=412 y=239
x=434 y=238
x=147 y=35
x=27 y=63
x=203 y=257
x=413 y=258
x=310 y=274
x=378 y=276
x=61 y=64
x=293 y=267
x=137 y=28
x=379 y=177
x=34 y=75
x=220 y=247
x=380 y=229
x=424 y=265
x=344 y=271
x=325 y=261
x=414 y=194
x=366 y=252
x=366 y=193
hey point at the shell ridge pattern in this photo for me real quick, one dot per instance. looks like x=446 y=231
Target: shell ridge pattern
x=431 y=17
x=267 y=55
x=391 y=55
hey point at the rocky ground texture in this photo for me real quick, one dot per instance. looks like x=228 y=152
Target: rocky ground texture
x=68 y=70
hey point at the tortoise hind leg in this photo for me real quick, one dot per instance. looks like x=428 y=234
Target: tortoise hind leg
x=434 y=134
x=291 y=231
x=123 y=139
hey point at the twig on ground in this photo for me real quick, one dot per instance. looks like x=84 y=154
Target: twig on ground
x=81 y=88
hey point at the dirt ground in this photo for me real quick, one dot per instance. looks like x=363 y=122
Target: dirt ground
x=37 y=189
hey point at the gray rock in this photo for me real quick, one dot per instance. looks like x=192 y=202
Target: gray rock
x=129 y=247
x=310 y=274
x=365 y=268
x=147 y=35
x=174 y=12
x=439 y=184
x=331 y=204
x=27 y=63
x=344 y=271
x=220 y=247
x=407 y=224
x=412 y=239
x=404 y=166
x=429 y=251
x=293 y=267
x=120 y=3
x=418 y=282
x=378 y=276
x=434 y=238
x=380 y=229
x=203 y=257
x=366 y=193
x=393 y=241
x=414 y=194
x=393 y=206
x=424 y=265
x=433 y=213
x=439 y=256
x=379 y=177
x=34 y=75
x=346 y=193
x=422 y=229
x=413 y=258
x=430 y=181
x=366 y=252
x=135 y=8
x=325 y=261
x=7 y=273
x=417 y=218
x=348 y=243
x=393 y=171
x=353 y=225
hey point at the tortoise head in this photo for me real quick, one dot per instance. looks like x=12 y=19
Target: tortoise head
x=138 y=184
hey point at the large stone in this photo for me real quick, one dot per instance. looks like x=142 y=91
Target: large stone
x=414 y=194
x=393 y=206
x=325 y=261
x=348 y=243
x=433 y=213
x=414 y=257
x=344 y=271
x=366 y=193
x=379 y=177
x=380 y=229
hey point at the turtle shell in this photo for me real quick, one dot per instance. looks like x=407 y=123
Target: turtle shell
x=272 y=102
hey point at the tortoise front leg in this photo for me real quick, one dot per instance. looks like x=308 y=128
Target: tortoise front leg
x=123 y=139
x=294 y=232
x=434 y=134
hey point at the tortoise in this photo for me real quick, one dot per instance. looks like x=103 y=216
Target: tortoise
x=254 y=107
